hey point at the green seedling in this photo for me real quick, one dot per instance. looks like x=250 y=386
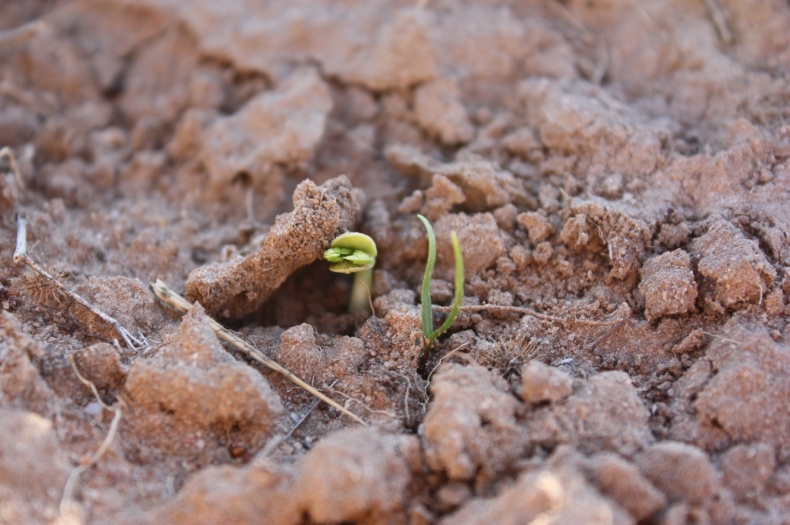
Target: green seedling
x=354 y=253
x=429 y=333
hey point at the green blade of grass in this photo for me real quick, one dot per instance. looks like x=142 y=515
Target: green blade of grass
x=425 y=297
x=459 y=291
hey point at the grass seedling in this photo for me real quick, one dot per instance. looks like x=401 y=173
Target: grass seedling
x=429 y=333
x=354 y=253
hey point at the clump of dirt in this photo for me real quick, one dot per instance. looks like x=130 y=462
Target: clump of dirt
x=21 y=384
x=739 y=271
x=618 y=177
x=542 y=383
x=296 y=239
x=342 y=463
x=558 y=488
x=604 y=415
x=34 y=467
x=248 y=494
x=470 y=430
x=168 y=393
x=668 y=285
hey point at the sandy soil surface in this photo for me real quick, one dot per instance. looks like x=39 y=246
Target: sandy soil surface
x=618 y=173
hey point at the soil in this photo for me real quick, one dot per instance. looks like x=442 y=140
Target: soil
x=618 y=174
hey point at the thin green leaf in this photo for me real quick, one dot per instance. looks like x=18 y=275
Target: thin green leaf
x=459 y=291
x=425 y=296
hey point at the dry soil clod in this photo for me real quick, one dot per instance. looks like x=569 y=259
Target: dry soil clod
x=617 y=173
x=21 y=257
x=297 y=238
x=168 y=296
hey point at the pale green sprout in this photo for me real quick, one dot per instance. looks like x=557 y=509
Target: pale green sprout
x=355 y=253
x=429 y=333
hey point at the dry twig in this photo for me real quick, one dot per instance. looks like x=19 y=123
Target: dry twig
x=6 y=152
x=105 y=444
x=366 y=407
x=302 y=419
x=606 y=334
x=601 y=67
x=21 y=257
x=445 y=356
x=31 y=99
x=11 y=37
x=717 y=336
x=168 y=296
x=527 y=311
x=276 y=441
x=560 y=9
x=719 y=21
x=421 y=390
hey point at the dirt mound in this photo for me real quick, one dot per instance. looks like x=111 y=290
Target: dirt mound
x=617 y=174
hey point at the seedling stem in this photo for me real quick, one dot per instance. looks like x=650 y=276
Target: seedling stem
x=429 y=333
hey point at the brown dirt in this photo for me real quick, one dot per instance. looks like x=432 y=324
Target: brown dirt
x=621 y=170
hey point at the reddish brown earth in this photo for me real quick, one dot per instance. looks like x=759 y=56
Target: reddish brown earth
x=621 y=169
